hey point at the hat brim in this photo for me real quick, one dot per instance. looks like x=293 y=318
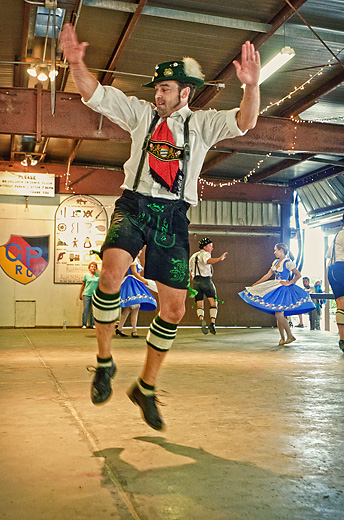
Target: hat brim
x=187 y=79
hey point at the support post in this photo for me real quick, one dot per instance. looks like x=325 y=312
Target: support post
x=285 y=223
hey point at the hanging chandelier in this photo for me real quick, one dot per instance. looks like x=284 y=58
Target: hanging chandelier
x=41 y=72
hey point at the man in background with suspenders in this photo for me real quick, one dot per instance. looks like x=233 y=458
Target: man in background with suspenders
x=201 y=271
x=169 y=144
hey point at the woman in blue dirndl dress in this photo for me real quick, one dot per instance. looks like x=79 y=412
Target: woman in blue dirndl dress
x=135 y=296
x=280 y=296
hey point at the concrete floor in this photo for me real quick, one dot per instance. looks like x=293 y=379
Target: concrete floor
x=254 y=431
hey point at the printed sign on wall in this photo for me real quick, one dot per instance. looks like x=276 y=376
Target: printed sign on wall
x=80 y=228
x=25 y=258
x=28 y=184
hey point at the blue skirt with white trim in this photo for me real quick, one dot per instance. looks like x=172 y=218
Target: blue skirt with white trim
x=271 y=297
x=134 y=292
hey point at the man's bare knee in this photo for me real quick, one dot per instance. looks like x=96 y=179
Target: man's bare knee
x=173 y=313
x=177 y=314
x=172 y=303
x=110 y=282
x=115 y=265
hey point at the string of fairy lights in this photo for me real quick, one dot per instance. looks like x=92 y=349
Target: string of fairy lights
x=67 y=181
x=203 y=182
x=219 y=184
x=300 y=87
x=327 y=119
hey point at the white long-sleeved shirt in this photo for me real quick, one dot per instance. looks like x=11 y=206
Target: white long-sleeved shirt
x=206 y=128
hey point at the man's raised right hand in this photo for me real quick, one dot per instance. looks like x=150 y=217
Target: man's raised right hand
x=73 y=51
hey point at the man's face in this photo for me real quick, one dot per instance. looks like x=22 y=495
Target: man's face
x=168 y=99
x=208 y=248
x=305 y=283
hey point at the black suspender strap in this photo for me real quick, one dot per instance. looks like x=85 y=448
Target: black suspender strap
x=186 y=156
x=196 y=265
x=144 y=150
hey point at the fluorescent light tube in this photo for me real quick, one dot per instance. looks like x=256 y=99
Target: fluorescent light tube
x=286 y=54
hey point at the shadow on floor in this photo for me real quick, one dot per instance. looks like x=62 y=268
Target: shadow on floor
x=213 y=488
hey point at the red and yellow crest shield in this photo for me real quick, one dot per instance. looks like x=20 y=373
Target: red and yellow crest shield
x=25 y=258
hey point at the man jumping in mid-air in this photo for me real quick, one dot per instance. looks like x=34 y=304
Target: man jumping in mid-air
x=169 y=144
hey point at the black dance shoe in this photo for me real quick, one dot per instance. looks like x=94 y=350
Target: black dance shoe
x=212 y=328
x=148 y=407
x=121 y=333
x=101 y=385
x=204 y=327
x=341 y=344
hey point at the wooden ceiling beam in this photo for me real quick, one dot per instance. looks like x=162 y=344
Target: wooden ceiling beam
x=283 y=134
x=74 y=151
x=209 y=92
x=12 y=147
x=309 y=100
x=97 y=181
x=246 y=192
x=18 y=115
x=107 y=77
x=61 y=80
x=276 y=168
x=282 y=155
x=317 y=176
x=19 y=71
x=219 y=158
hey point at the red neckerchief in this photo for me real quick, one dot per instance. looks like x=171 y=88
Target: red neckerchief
x=164 y=157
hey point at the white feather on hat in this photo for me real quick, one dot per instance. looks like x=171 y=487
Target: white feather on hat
x=192 y=68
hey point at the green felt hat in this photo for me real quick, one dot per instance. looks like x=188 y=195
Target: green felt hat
x=185 y=71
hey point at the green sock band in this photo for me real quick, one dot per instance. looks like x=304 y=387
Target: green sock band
x=161 y=334
x=104 y=362
x=145 y=389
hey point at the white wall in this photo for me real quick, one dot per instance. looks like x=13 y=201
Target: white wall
x=54 y=302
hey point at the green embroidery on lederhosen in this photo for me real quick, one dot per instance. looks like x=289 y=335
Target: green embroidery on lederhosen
x=142 y=220
x=161 y=237
x=180 y=270
x=156 y=207
x=112 y=233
